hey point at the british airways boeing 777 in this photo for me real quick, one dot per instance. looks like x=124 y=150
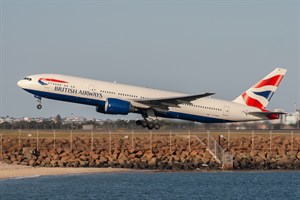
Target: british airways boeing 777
x=115 y=98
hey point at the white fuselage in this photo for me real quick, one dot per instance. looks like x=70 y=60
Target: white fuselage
x=95 y=93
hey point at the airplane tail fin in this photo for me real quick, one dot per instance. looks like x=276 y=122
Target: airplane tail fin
x=261 y=93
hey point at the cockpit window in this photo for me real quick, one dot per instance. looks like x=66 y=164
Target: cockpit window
x=28 y=79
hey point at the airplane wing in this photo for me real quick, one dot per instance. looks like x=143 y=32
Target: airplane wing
x=165 y=103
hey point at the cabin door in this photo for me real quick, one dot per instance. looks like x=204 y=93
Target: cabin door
x=226 y=110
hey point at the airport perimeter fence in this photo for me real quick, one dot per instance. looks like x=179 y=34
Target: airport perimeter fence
x=93 y=141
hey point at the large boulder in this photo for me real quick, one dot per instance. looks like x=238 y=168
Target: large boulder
x=32 y=163
x=94 y=156
x=153 y=163
x=139 y=154
x=285 y=163
x=61 y=163
x=53 y=163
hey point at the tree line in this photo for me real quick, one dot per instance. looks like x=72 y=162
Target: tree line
x=58 y=124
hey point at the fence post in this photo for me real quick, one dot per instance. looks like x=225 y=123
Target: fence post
x=292 y=140
x=189 y=141
x=208 y=139
x=71 y=140
x=110 y=143
x=54 y=136
x=252 y=140
x=37 y=139
x=228 y=144
x=132 y=136
x=151 y=141
x=170 y=142
x=1 y=150
x=92 y=141
x=270 y=141
x=215 y=147
x=19 y=139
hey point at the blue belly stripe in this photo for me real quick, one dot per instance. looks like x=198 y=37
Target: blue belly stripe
x=189 y=117
x=67 y=98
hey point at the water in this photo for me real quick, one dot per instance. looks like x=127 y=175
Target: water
x=157 y=185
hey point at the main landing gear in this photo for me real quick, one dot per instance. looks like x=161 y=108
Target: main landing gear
x=150 y=124
x=39 y=100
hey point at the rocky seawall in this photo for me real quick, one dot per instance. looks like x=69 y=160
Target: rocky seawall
x=159 y=152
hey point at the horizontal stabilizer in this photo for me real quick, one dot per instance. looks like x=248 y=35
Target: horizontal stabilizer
x=268 y=113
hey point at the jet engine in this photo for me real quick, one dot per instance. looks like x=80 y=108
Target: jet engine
x=115 y=107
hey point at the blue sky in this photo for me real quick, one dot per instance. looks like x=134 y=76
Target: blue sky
x=186 y=46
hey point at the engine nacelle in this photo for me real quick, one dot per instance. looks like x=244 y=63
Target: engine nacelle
x=115 y=107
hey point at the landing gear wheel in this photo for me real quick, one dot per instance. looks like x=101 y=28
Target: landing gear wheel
x=144 y=124
x=150 y=126
x=156 y=126
x=139 y=123
x=39 y=106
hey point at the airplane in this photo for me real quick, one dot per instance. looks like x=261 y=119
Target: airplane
x=115 y=98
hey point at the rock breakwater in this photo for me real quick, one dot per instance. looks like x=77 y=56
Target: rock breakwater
x=179 y=153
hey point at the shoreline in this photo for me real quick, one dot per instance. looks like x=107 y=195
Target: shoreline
x=11 y=171
x=8 y=171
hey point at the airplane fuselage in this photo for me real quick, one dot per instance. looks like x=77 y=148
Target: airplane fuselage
x=95 y=93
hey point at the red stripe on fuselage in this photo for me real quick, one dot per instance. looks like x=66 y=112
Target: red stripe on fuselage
x=274 y=81
x=53 y=80
x=252 y=102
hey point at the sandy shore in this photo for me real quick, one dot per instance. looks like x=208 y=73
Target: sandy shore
x=15 y=171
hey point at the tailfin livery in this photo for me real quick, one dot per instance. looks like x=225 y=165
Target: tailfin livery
x=261 y=93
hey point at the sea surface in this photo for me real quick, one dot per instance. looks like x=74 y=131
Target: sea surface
x=157 y=185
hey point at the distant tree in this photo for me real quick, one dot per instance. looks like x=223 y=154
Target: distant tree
x=58 y=122
x=58 y=119
x=6 y=125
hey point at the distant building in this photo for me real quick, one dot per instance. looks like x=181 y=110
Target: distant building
x=87 y=127
x=288 y=119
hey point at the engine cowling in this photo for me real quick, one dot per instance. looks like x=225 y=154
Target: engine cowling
x=115 y=107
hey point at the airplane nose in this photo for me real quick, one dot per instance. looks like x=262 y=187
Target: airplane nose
x=20 y=83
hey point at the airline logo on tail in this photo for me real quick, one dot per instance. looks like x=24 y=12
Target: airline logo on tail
x=261 y=93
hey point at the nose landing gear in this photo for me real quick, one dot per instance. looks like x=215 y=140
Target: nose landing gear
x=39 y=100
x=39 y=106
